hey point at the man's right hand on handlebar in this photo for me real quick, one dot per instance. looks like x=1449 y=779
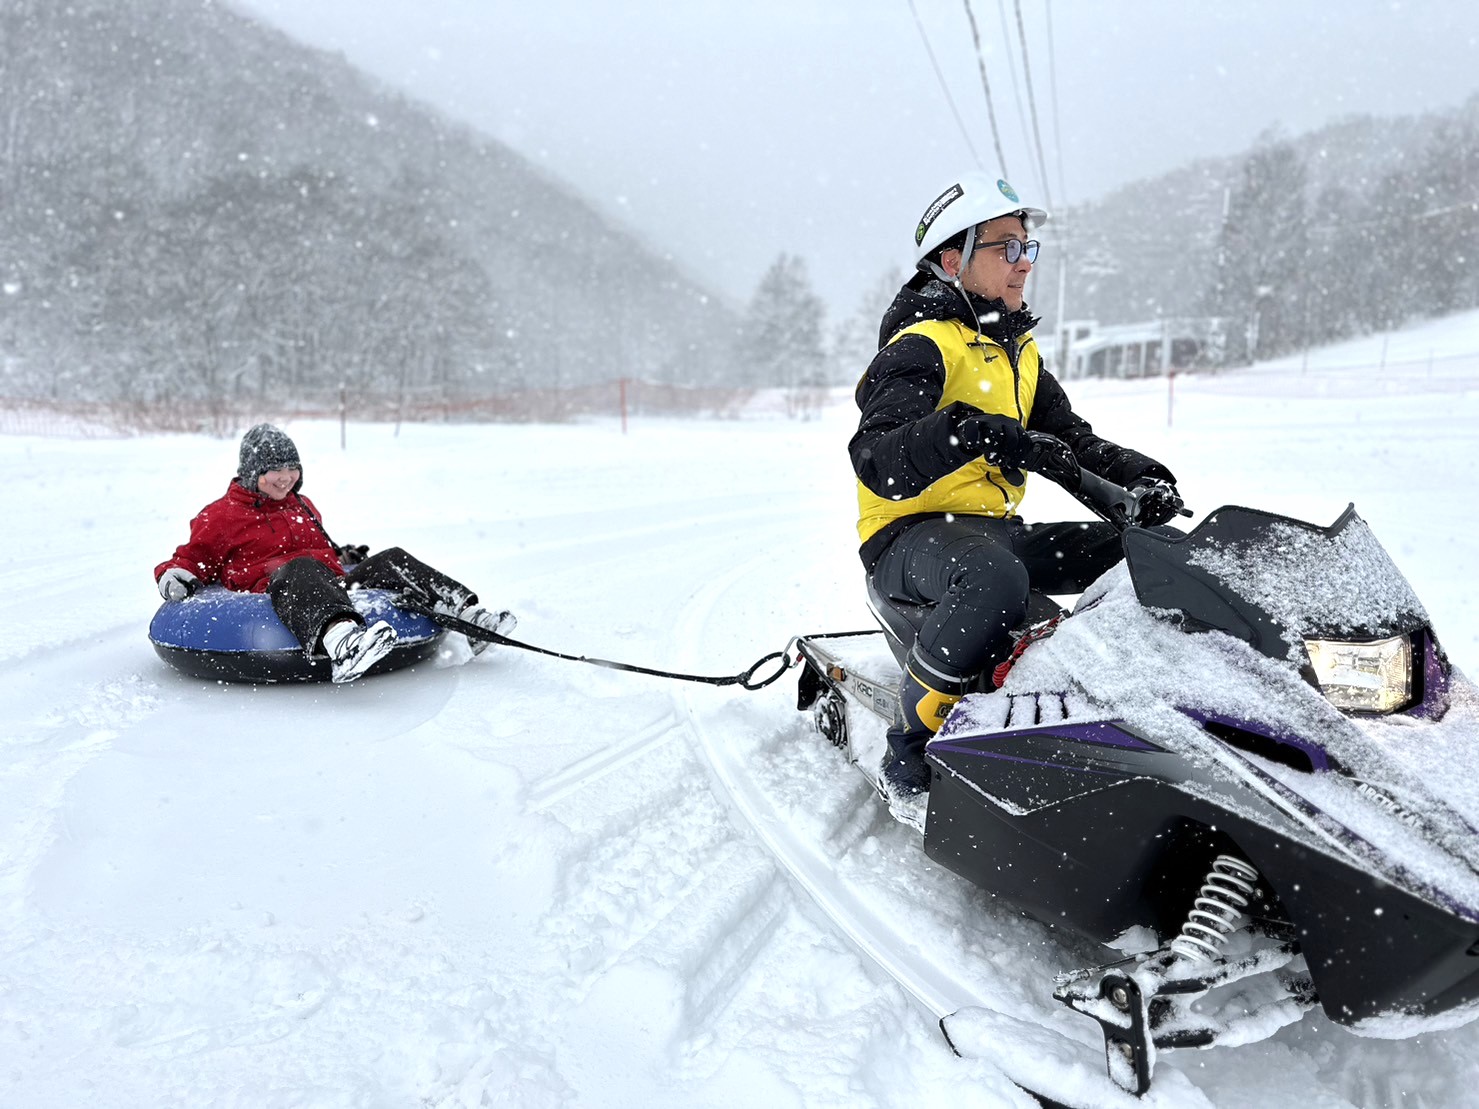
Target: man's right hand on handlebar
x=1011 y=448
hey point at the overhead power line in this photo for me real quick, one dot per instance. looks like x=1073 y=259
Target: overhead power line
x=945 y=88
x=1017 y=97
x=1047 y=7
x=1042 y=162
x=985 y=87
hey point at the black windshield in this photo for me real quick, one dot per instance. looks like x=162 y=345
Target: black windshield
x=1271 y=580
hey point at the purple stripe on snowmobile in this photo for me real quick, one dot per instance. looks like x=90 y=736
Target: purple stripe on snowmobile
x=1100 y=734
x=960 y=749
x=1435 y=681
x=1363 y=849
x=1319 y=760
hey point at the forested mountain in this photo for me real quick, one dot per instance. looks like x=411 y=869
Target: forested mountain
x=1359 y=226
x=196 y=207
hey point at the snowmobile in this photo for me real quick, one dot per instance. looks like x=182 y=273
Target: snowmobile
x=1227 y=764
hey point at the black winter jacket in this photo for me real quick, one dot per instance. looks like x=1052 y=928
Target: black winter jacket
x=905 y=440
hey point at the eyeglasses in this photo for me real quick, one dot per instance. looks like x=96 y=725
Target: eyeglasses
x=1015 y=248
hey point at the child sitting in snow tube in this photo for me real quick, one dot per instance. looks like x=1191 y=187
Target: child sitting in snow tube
x=264 y=536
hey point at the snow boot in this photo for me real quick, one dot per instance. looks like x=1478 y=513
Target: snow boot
x=353 y=649
x=499 y=623
x=923 y=707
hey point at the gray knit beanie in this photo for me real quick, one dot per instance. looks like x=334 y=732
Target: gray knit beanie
x=266 y=448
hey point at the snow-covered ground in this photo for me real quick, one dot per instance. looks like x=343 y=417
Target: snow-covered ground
x=519 y=881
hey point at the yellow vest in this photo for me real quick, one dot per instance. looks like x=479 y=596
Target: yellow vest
x=979 y=373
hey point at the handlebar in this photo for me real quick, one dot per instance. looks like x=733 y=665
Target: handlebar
x=1054 y=459
x=1120 y=506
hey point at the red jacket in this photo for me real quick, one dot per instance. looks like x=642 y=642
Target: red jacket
x=241 y=538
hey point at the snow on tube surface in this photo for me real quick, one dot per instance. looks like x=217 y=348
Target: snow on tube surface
x=236 y=637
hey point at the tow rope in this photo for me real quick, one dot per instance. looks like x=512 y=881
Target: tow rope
x=746 y=679
x=1041 y=630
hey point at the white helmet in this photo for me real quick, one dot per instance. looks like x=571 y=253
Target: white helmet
x=973 y=199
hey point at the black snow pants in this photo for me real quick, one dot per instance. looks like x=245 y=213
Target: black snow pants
x=976 y=572
x=307 y=596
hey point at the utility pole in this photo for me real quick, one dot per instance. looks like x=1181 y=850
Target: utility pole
x=1064 y=332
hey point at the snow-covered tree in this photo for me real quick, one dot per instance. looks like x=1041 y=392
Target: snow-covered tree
x=1439 y=239
x=1261 y=253
x=780 y=339
x=855 y=339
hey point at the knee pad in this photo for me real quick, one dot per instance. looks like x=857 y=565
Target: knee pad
x=926 y=696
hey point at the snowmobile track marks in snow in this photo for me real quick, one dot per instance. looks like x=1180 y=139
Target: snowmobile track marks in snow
x=556 y=787
x=633 y=866
x=707 y=944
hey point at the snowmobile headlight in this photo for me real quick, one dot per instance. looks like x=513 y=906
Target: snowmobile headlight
x=1374 y=676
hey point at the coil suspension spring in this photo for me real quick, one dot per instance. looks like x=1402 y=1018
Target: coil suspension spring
x=1225 y=893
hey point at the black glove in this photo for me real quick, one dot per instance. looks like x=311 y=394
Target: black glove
x=352 y=554
x=1155 y=502
x=1000 y=440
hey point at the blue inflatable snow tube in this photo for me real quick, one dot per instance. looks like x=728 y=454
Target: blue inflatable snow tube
x=236 y=637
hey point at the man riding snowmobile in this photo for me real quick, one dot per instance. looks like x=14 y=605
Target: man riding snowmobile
x=950 y=405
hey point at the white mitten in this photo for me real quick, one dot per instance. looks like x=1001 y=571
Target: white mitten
x=176 y=584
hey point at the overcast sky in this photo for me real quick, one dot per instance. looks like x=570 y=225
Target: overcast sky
x=727 y=132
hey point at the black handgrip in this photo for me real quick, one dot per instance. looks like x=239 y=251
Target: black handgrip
x=1109 y=501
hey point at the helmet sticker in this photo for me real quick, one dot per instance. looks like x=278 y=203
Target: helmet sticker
x=932 y=213
x=1008 y=192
